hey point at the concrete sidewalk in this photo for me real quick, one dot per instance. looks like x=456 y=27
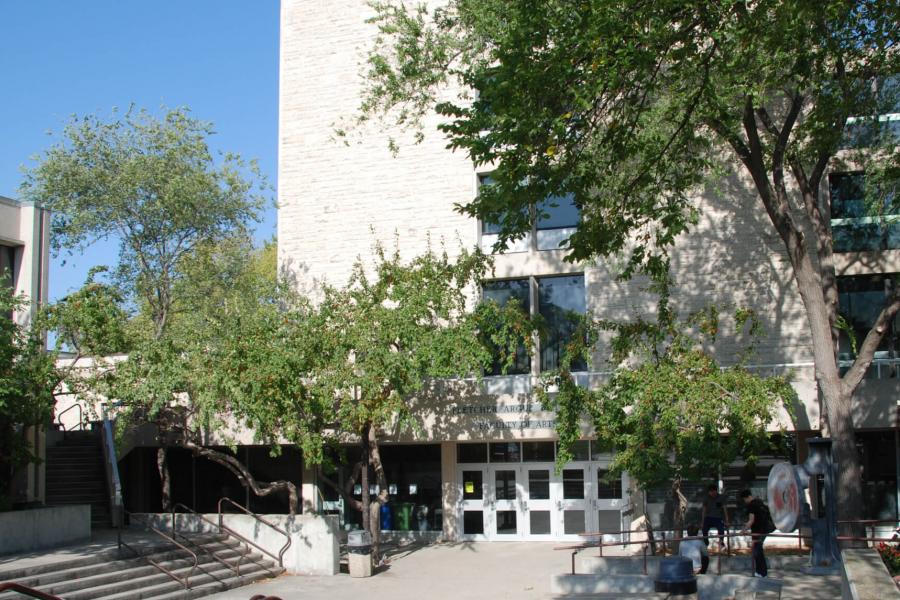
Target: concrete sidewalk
x=448 y=571
x=458 y=571
x=470 y=571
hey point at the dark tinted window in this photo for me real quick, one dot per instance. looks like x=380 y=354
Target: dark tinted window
x=503 y=292
x=561 y=304
x=558 y=211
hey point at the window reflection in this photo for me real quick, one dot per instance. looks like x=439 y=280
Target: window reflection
x=502 y=293
x=860 y=300
x=557 y=212
x=857 y=225
x=561 y=304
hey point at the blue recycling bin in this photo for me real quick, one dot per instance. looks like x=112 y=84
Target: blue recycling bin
x=387 y=521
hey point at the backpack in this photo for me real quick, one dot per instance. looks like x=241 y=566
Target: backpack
x=767 y=524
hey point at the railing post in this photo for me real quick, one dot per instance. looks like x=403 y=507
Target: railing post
x=645 y=560
x=574 y=552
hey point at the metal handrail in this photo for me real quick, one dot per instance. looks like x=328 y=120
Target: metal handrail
x=280 y=557
x=236 y=567
x=185 y=581
x=728 y=535
x=111 y=466
x=23 y=589
x=80 y=417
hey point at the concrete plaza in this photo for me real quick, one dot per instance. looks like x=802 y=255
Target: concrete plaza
x=469 y=571
x=439 y=571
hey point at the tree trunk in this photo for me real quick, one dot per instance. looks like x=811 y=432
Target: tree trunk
x=847 y=465
x=837 y=401
x=679 y=506
x=162 y=464
x=245 y=477
x=382 y=497
x=364 y=478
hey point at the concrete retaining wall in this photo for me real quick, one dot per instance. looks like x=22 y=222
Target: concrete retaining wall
x=314 y=549
x=864 y=576
x=40 y=528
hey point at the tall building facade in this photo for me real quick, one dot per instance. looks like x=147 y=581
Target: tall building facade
x=24 y=267
x=483 y=468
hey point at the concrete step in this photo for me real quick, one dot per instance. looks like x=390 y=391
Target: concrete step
x=629 y=586
x=107 y=575
x=205 y=581
x=145 y=575
x=634 y=565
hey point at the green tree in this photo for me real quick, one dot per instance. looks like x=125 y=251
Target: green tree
x=152 y=184
x=631 y=106
x=365 y=352
x=186 y=263
x=672 y=412
x=27 y=379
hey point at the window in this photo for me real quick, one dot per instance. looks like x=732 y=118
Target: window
x=881 y=127
x=561 y=303
x=878 y=456
x=7 y=265
x=505 y=452
x=554 y=218
x=857 y=224
x=860 y=300
x=503 y=292
x=7 y=271
x=557 y=212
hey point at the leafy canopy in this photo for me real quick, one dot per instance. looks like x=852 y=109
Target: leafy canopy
x=667 y=407
x=353 y=360
x=28 y=377
x=631 y=105
x=151 y=183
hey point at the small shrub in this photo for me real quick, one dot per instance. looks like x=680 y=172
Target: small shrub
x=890 y=554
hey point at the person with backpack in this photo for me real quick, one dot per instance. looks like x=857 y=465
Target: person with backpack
x=759 y=524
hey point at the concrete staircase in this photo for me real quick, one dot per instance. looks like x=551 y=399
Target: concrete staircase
x=109 y=576
x=75 y=475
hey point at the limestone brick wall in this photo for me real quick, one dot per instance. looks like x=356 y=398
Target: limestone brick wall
x=338 y=197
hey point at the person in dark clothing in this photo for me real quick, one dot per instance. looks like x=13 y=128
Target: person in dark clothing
x=714 y=514
x=759 y=523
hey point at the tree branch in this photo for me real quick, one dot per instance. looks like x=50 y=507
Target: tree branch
x=854 y=376
x=245 y=477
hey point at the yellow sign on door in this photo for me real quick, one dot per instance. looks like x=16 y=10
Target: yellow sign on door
x=469 y=487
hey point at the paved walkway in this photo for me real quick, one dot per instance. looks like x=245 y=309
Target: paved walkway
x=450 y=571
x=469 y=571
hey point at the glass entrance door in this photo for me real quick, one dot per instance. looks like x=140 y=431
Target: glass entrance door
x=505 y=495
x=473 y=507
x=608 y=503
x=507 y=507
x=538 y=517
x=574 y=517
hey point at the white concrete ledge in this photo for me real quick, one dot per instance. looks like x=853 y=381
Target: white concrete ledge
x=864 y=576
x=314 y=549
x=41 y=528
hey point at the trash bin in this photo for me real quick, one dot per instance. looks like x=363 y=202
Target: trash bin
x=403 y=516
x=359 y=553
x=387 y=523
x=676 y=577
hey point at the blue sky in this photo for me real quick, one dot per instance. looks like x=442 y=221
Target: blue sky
x=65 y=57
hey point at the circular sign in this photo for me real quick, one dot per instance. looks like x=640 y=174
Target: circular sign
x=784 y=496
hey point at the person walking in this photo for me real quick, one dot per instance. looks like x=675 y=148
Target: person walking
x=759 y=524
x=714 y=514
